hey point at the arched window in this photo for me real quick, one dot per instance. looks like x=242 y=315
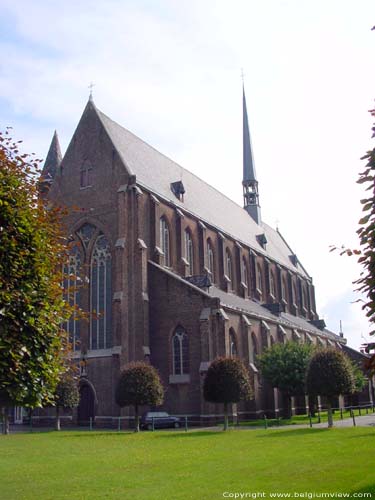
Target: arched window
x=260 y=279
x=229 y=265
x=272 y=285
x=233 y=352
x=86 y=174
x=72 y=295
x=189 y=252
x=100 y=295
x=244 y=272
x=164 y=241
x=210 y=260
x=283 y=289
x=294 y=292
x=254 y=347
x=180 y=348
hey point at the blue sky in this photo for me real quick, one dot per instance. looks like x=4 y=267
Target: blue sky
x=169 y=71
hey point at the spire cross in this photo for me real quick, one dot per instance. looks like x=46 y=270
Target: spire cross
x=91 y=86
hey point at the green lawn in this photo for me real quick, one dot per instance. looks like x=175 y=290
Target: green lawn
x=177 y=465
x=302 y=419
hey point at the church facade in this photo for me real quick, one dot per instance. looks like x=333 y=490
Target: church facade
x=172 y=271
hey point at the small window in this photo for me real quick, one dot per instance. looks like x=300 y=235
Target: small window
x=244 y=273
x=189 y=252
x=86 y=175
x=180 y=349
x=210 y=260
x=229 y=265
x=283 y=289
x=164 y=241
x=272 y=285
x=260 y=279
x=232 y=345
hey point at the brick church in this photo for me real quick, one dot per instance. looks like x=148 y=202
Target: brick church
x=178 y=272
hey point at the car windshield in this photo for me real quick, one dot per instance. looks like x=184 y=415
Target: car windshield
x=157 y=414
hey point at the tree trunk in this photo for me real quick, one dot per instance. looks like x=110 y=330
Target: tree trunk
x=136 y=429
x=225 y=416
x=312 y=405
x=330 y=418
x=288 y=406
x=5 y=417
x=58 y=426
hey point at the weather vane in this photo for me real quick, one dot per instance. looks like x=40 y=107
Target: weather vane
x=242 y=76
x=91 y=86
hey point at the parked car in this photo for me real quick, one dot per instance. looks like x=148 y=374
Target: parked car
x=160 y=420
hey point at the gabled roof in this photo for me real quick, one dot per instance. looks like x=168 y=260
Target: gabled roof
x=156 y=172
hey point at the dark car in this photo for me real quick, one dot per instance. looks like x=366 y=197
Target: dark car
x=159 y=420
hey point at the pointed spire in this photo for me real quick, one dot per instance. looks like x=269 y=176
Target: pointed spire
x=248 y=162
x=53 y=159
x=249 y=181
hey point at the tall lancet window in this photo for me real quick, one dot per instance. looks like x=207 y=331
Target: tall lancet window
x=260 y=279
x=180 y=348
x=101 y=295
x=229 y=265
x=72 y=295
x=210 y=260
x=189 y=252
x=86 y=174
x=164 y=241
x=244 y=273
x=232 y=344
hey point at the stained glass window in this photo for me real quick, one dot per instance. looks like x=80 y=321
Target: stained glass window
x=72 y=295
x=101 y=295
x=180 y=348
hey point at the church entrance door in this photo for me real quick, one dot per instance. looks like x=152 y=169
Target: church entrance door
x=86 y=408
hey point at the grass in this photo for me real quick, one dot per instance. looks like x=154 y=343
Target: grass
x=176 y=465
x=300 y=419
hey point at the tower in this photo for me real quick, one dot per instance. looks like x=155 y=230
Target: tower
x=249 y=182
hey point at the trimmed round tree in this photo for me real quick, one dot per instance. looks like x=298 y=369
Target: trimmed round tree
x=329 y=374
x=67 y=396
x=139 y=384
x=284 y=366
x=227 y=381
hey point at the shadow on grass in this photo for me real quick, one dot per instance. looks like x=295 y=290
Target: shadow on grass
x=189 y=434
x=360 y=493
x=291 y=432
x=91 y=434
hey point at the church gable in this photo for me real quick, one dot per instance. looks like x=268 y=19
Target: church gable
x=91 y=170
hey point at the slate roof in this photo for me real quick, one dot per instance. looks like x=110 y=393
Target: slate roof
x=255 y=309
x=155 y=172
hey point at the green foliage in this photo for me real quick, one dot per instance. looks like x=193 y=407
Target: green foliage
x=67 y=393
x=284 y=366
x=139 y=384
x=227 y=381
x=329 y=374
x=360 y=380
x=31 y=304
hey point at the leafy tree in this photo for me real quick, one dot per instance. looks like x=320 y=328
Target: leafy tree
x=139 y=384
x=66 y=396
x=360 y=380
x=366 y=255
x=31 y=304
x=284 y=366
x=227 y=381
x=329 y=374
